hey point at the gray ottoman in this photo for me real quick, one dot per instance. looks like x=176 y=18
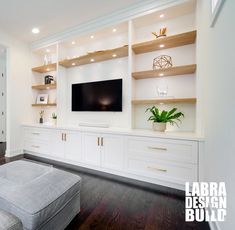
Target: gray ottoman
x=42 y=197
x=9 y=222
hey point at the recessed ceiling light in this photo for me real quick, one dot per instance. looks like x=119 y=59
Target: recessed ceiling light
x=114 y=55
x=114 y=30
x=35 y=31
x=73 y=63
x=162 y=15
x=92 y=60
x=92 y=36
x=161 y=74
x=161 y=46
x=48 y=50
x=73 y=42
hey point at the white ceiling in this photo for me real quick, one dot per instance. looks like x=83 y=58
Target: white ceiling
x=52 y=16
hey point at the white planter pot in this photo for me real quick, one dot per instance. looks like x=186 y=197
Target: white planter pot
x=54 y=121
x=159 y=126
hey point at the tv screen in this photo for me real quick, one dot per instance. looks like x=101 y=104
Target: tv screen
x=97 y=96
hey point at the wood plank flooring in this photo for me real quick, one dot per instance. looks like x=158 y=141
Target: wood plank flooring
x=110 y=205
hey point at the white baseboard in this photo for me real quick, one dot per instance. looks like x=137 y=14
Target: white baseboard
x=13 y=153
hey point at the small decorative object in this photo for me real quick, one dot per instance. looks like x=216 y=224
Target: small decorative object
x=45 y=60
x=54 y=118
x=161 y=118
x=48 y=79
x=163 y=61
x=162 y=33
x=41 y=117
x=42 y=99
x=162 y=90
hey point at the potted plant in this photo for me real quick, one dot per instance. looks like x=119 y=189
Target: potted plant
x=161 y=118
x=41 y=116
x=54 y=118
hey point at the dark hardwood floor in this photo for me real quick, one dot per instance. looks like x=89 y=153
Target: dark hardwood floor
x=112 y=205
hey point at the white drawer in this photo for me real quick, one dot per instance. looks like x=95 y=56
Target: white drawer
x=157 y=148
x=36 y=146
x=36 y=134
x=163 y=170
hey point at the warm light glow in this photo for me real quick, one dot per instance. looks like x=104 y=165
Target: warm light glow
x=92 y=60
x=162 y=46
x=48 y=69
x=47 y=87
x=162 y=15
x=73 y=63
x=114 y=30
x=114 y=55
x=92 y=36
x=161 y=74
x=73 y=42
x=35 y=31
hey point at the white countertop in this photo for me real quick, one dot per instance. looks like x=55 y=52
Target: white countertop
x=113 y=130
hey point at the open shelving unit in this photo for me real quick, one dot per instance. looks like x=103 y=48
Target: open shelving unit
x=44 y=87
x=44 y=105
x=96 y=56
x=172 y=71
x=163 y=100
x=165 y=42
x=45 y=68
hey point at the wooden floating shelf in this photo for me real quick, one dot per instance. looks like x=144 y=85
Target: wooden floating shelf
x=97 y=56
x=163 y=100
x=172 y=71
x=44 y=105
x=45 y=68
x=44 y=87
x=168 y=42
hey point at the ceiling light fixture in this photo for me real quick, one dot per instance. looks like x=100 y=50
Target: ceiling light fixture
x=35 y=31
x=114 y=30
x=162 y=15
x=92 y=36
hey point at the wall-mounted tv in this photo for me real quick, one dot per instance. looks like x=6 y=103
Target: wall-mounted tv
x=97 y=96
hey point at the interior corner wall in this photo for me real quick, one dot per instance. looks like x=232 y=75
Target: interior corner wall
x=18 y=91
x=216 y=80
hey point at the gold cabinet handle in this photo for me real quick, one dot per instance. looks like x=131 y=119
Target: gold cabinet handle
x=35 y=146
x=157 y=169
x=157 y=148
x=62 y=136
x=98 y=141
x=65 y=137
x=102 y=141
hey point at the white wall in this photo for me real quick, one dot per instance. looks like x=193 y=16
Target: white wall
x=18 y=90
x=216 y=56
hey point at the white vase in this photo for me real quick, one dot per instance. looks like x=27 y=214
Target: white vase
x=159 y=126
x=54 y=121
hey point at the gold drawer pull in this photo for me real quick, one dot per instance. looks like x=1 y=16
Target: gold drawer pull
x=157 y=169
x=36 y=146
x=157 y=148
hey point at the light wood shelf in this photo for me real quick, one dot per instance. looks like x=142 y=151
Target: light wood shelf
x=45 y=68
x=168 y=42
x=97 y=56
x=163 y=100
x=44 y=87
x=44 y=105
x=172 y=71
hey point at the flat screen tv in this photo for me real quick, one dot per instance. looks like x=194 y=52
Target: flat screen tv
x=97 y=96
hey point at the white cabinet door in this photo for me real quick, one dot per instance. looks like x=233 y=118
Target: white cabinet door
x=73 y=146
x=91 y=149
x=57 y=143
x=112 y=151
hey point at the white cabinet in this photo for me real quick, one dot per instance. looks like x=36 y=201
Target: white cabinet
x=112 y=151
x=57 y=143
x=91 y=148
x=105 y=150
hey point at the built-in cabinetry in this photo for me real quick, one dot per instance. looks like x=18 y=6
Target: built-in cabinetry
x=144 y=156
